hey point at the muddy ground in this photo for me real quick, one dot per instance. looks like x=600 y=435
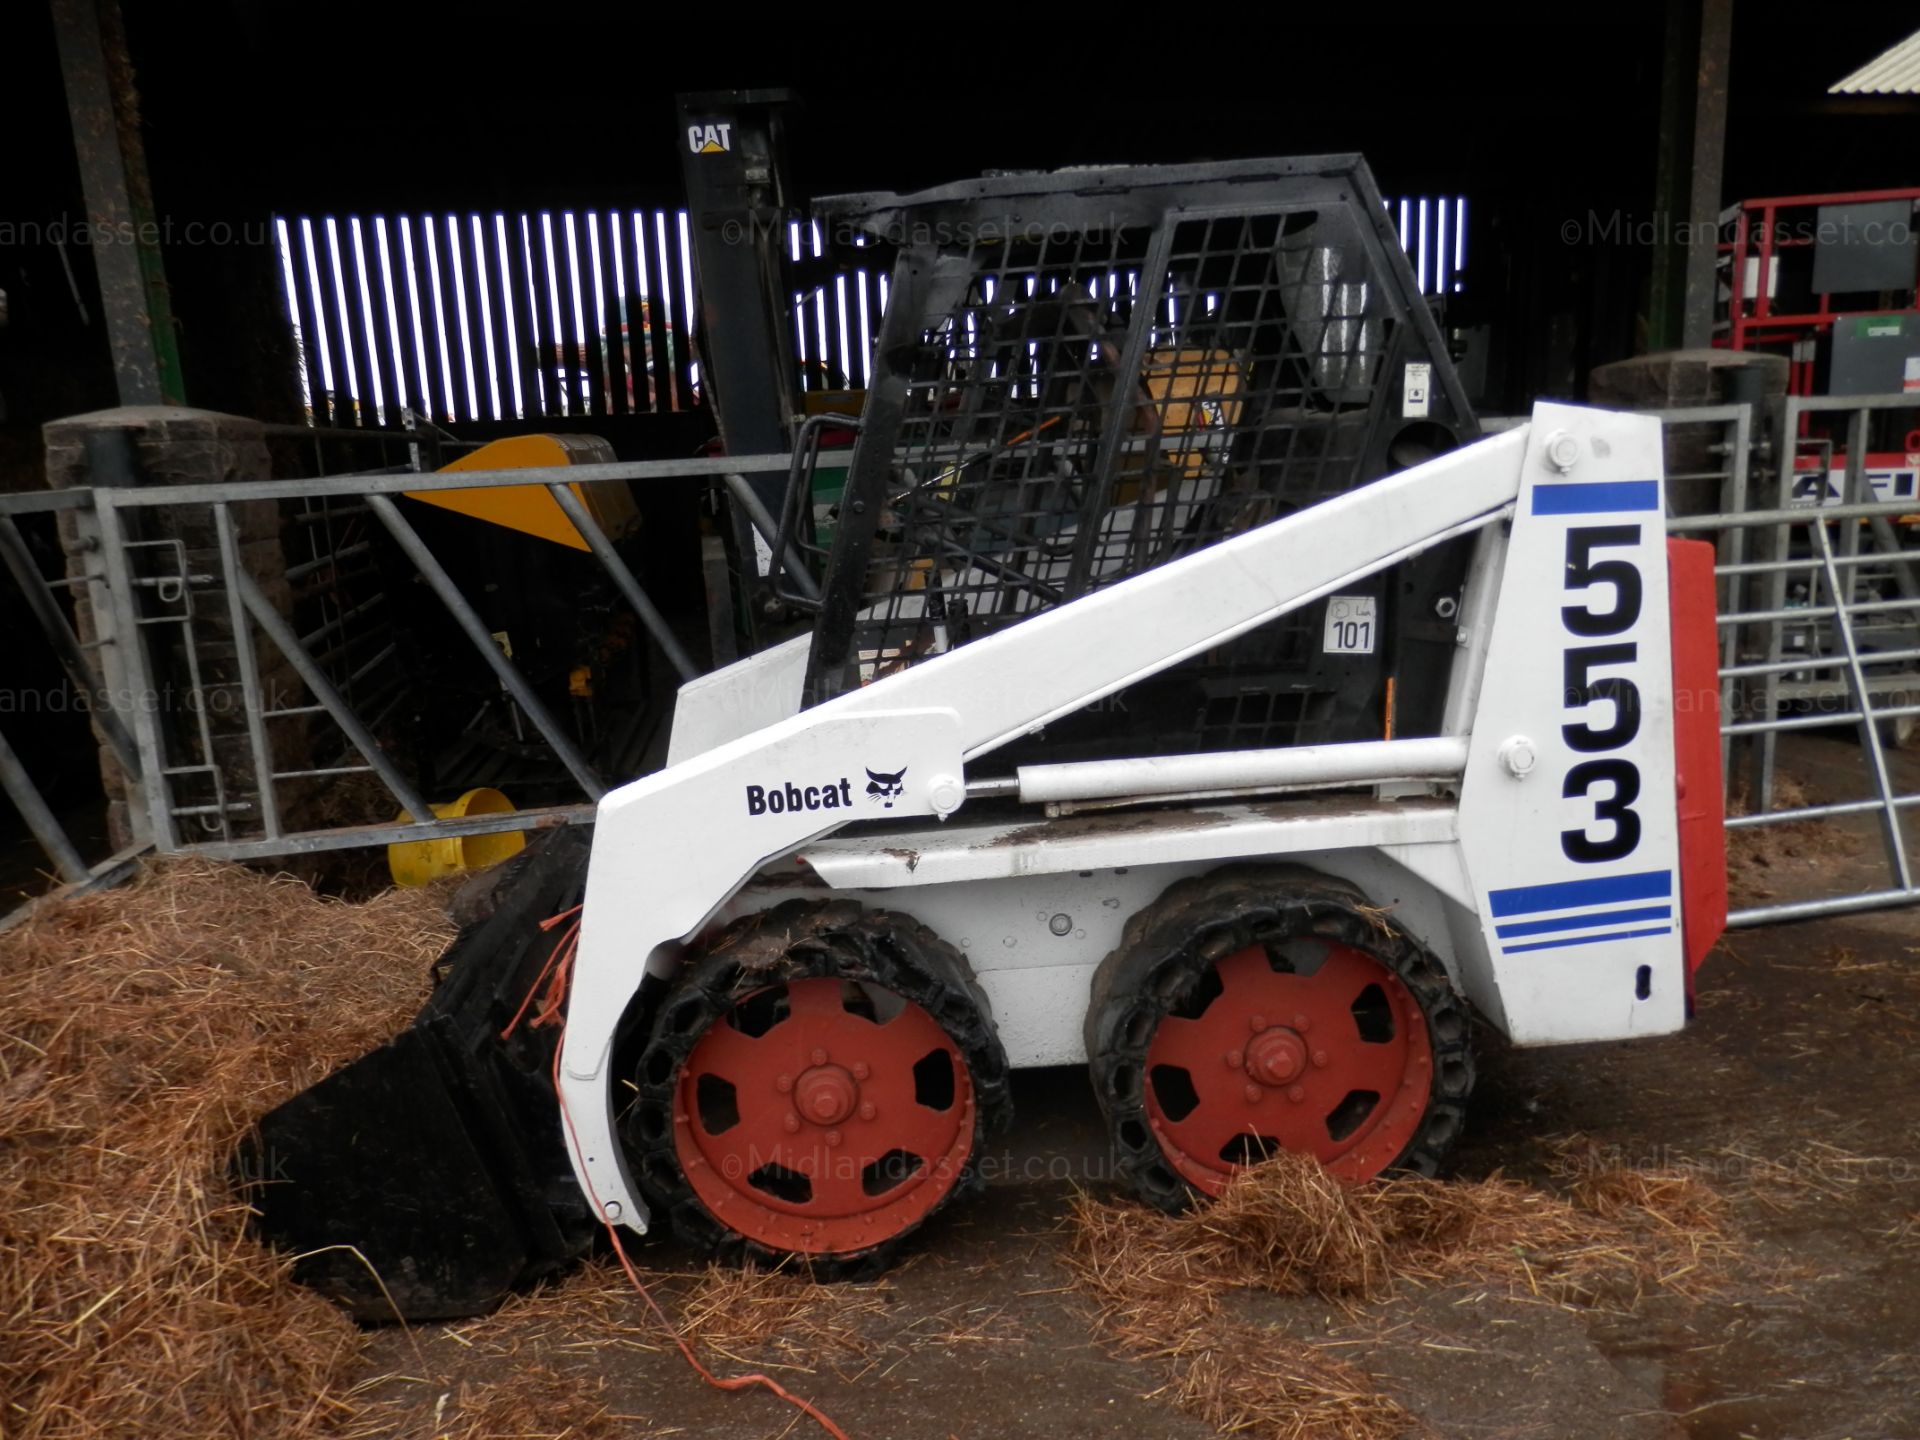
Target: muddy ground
x=1792 y=1094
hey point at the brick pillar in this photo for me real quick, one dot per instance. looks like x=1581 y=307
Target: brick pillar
x=171 y=445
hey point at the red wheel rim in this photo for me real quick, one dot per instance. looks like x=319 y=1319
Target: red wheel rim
x=823 y=1116
x=1334 y=1063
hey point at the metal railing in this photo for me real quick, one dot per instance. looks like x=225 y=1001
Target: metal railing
x=1710 y=454
x=1820 y=627
x=224 y=794
x=1815 y=601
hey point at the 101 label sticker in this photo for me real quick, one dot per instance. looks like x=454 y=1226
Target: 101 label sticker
x=1352 y=625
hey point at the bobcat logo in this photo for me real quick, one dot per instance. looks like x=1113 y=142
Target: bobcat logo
x=884 y=787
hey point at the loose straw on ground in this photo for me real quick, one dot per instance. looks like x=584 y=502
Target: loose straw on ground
x=1290 y=1228
x=141 y=1030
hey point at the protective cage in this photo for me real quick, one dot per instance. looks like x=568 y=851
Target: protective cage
x=1082 y=375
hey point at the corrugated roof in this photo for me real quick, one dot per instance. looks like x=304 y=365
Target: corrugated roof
x=1897 y=72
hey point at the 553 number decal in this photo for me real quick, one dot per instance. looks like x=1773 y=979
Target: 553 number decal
x=1604 y=602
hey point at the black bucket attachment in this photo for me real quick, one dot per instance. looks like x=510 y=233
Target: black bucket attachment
x=429 y=1179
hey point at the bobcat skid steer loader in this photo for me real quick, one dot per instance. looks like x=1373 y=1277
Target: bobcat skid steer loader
x=1191 y=696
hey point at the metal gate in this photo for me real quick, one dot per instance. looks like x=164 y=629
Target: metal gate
x=1819 y=573
x=204 y=752
x=1820 y=627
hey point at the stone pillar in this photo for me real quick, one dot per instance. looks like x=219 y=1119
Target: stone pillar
x=1679 y=379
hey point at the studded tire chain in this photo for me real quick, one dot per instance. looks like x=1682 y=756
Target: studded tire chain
x=1169 y=945
x=798 y=940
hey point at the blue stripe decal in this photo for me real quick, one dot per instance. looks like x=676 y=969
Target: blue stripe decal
x=1585 y=940
x=1579 y=894
x=1587 y=922
x=1602 y=498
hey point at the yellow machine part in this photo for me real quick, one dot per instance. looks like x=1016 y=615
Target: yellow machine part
x=833 y=402
x=1195 y=391
x=1199 y=389
x=417 y=862
x=531 y=509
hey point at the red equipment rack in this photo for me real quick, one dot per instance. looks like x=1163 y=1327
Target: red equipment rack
x=1763 y=232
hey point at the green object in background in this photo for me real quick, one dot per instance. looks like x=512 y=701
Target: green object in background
x=829 y=484
x=1879 y=327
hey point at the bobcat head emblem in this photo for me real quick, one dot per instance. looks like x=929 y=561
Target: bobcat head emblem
x=884 y=787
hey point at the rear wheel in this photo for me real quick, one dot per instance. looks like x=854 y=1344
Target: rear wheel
x=817 y=1084
x=1265 y=1007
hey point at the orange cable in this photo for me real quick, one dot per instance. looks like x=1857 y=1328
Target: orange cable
x=730 y=1383
x=560 y=966
x=553 y=1005
x=566 y=945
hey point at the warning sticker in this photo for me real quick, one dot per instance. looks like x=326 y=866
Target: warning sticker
x=1416 y=391
x=1351 y=625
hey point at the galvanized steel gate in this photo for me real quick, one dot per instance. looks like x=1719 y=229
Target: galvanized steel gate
x=223 y=794
x=1819 y=600
x=1820 y=627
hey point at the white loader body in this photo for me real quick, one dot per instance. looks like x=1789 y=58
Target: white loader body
x=1532 y=846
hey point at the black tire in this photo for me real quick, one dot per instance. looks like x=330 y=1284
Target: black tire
x=1169 y=946
x=797 y=940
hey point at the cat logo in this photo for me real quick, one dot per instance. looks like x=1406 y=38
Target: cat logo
x=715 y=139
x=885 y=786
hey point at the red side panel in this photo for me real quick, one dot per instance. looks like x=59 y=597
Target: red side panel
x=1696 y=747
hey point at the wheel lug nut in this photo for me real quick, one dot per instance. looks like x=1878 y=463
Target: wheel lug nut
x=1256 y=1023
x=860 y=1070
x=783 y=1084
x=1320 y=1058
x=1235 y=1059
x=833 y=1137
x=1253 y=1094
x=1301 y=1022
x=867 y=1111
x=819 y=1056
x=1297 y=1094
x=792 y=1122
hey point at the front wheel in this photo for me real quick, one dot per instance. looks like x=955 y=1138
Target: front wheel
x=818 y=1084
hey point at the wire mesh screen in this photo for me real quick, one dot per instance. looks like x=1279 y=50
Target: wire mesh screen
x=1068 y=394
